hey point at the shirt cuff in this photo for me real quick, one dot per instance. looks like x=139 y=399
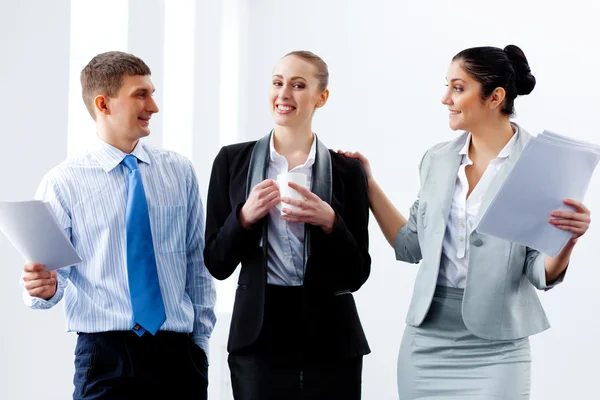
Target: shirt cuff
x=202 y=342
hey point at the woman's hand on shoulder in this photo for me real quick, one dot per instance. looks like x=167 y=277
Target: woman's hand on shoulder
x=363 y=160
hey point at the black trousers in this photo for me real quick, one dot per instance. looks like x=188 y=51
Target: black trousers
x=260 y=376
x=121 y=365
x=280 y=364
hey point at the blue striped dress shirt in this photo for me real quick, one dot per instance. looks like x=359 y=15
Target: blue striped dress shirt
x=89 y=196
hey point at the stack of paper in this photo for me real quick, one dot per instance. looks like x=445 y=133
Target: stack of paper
x=31 y=226
x=550 y=169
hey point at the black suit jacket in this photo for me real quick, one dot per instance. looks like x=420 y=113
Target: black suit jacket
x=338 y=263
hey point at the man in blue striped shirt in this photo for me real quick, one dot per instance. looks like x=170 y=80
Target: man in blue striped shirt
x=116 y=357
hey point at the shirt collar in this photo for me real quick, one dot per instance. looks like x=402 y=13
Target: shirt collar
x=311 y=154
x=504 y=153
x=109 y=156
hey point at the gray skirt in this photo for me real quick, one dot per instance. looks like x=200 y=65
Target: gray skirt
x=441 y=359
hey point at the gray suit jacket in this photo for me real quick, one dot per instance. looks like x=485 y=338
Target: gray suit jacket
x=500 y=302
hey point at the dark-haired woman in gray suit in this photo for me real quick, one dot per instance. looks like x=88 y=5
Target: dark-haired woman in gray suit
x=474 y=303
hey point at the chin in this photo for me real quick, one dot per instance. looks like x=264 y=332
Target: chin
x=456 y=126
x=282 y=121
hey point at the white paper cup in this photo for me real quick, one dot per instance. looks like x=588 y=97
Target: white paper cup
x=286 y=191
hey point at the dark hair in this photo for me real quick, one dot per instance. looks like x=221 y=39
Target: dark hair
x=104 y=73
x=493 y=67
x=322 y=70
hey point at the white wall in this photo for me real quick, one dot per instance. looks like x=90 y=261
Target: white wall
x=387 y=62
x=36 y=355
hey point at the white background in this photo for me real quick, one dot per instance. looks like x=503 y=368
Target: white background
x=211 y=63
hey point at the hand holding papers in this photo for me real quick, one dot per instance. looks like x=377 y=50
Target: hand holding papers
x=32 y=228
x=550 y=169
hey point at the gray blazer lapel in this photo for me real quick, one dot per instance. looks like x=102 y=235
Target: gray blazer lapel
x=259 y=163
x=443 y=176
x=499 y=179
x=257 y=172
x=321 y=177
x=321 y=186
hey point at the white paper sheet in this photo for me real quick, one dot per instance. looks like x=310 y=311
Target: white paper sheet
x=31 y=227
x=551 y=168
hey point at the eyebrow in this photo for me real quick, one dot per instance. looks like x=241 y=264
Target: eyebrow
x=295 y=77
x=137 y=90
x=456 y=79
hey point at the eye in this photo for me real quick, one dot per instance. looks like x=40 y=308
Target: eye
x=276 y=83
x=458 y=89
x=299 y=86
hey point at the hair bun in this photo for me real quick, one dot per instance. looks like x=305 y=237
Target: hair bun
x=524 y=80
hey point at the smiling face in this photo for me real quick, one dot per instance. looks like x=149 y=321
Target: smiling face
x=127 y=115
x=295 y=92
x=463 y=98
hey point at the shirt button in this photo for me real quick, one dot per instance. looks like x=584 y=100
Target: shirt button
x=462 y=239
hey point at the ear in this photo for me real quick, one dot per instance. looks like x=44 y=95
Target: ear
x=497 y=98
x=323 y=99
x=101 y=104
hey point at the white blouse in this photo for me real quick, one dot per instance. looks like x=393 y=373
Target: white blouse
x=455 y=247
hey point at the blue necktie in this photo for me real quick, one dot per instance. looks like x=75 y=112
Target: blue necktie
x=144 y=288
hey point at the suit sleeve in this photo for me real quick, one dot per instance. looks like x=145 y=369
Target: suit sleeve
x=406 y=242
x=227 y=241
x=535 y=270
x=345 y=250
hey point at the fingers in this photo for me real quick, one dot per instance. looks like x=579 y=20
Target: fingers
x=568 y=222
x=264 y=184
x=348 y=154
x=293 y=218
x=40 y=283
x=570 y=215
x=32 y=276
x=302 y=190
x=266 y=193
x=293 y=202
x=33 y=267
x=577 y=230
x=44 y=292
x=579 y=206
x=295 y=215
x=265 y=202
x=272 y=200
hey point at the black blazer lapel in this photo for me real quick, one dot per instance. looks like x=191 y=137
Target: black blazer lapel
x=321 y=186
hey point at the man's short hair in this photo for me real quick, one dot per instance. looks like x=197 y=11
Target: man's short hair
x=104 y=73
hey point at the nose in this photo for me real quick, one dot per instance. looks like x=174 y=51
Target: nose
x=446 y=98
x=284 y=92
x=152 y=106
